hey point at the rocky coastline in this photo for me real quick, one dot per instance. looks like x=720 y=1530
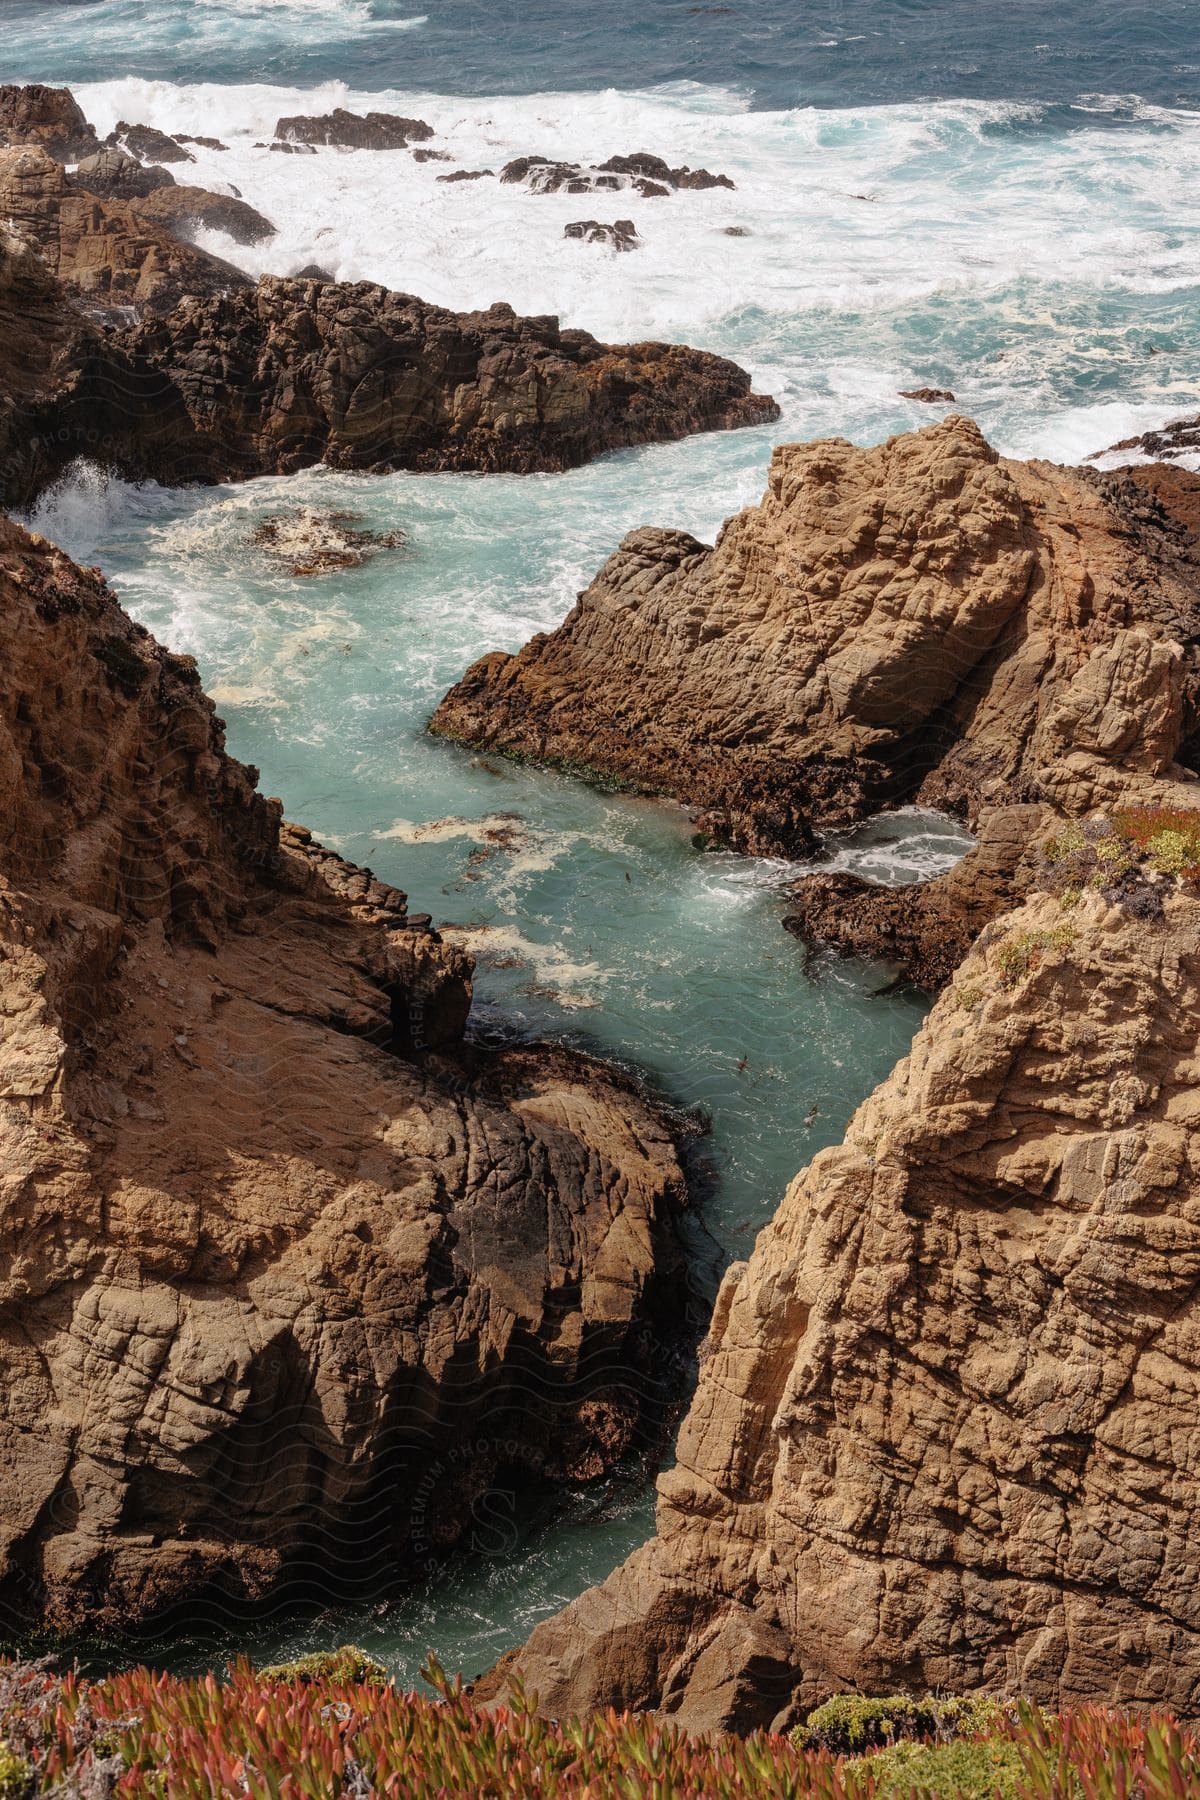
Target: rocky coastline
x=130 y=346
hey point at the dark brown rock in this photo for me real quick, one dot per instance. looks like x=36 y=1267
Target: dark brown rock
x=354 y=131
x=621 y=235
x=151 y=145
x=1179 y=438
x=183 y=210
x=205 y=143
x=642 y=173
x=467 y=175
x=929 y=396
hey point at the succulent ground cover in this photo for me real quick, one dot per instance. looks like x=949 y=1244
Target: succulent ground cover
x=335 y=1728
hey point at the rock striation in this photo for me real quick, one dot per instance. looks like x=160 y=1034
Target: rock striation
x=47 y=117
x=944 y=1437
x=920 y=620
x=291 y=1275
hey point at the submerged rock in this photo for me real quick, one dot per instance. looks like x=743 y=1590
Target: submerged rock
x=292 y=1276
x=466 y=175
x=354 y=131
x=622 y=235
x=929 y=396
x=310 y=542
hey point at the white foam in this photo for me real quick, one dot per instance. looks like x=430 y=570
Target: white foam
x=954 y=203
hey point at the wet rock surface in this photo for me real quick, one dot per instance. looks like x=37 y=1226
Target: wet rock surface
x=621 y=235
x=354 y=131
x=649 y=176
x=309 y=542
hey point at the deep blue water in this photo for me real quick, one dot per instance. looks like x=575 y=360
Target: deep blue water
x=782 y=53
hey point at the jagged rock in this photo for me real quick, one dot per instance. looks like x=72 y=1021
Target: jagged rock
x=289 y=1273
x=1179 y=438
x=205 y=143
x=311 y=272
x=151 y=145
x=929 y=396
x=921 y=620
x=466 y=175
x=47 y=117
x=309 y=542
x=619 y=236
x=644 y=174
x=185 y=209
x=102 y=250
x=354 y=131
x=115 y=175
x=423 y=156
x=290 y=149
x=944 y=1435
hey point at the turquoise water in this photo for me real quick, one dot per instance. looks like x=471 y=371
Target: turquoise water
x=595 y=919
x=932 y=193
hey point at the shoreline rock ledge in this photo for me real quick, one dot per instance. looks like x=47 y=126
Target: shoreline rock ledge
x=291 y=1275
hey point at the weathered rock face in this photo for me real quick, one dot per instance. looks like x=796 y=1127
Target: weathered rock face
x=945 y=1434
x=289 y=1275
x=47 y=117
x=921 y=620
x=354 y=131
x=183 y=209
x=105 y=251
x=1180 y=438
x=295 y=372
x=113 y=174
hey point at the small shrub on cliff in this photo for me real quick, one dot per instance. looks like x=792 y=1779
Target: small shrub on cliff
x=348 y=1663
x=970 y=1771
x=16 y=1774
x=1023 y=951
x=850 y=1723
x=1127 y=857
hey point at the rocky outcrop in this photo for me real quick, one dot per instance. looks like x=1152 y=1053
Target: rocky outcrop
x=290 y=1274
x=929 y=396
x=48 y=118
x=622 y=235
x=1181 y=437
x=149 y=144
x=642 y=173
x=353 y=131
x=922 y=620
x=944 y=1435
x=300 y=370
x=113 y=174
x=103 y=251
x=184 y=210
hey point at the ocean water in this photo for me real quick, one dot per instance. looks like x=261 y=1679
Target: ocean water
x=931 y=193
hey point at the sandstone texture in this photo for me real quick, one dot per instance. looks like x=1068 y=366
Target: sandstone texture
x=918 y=621
x=290 y=1274
x=945 y=1435
x=47 y=117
